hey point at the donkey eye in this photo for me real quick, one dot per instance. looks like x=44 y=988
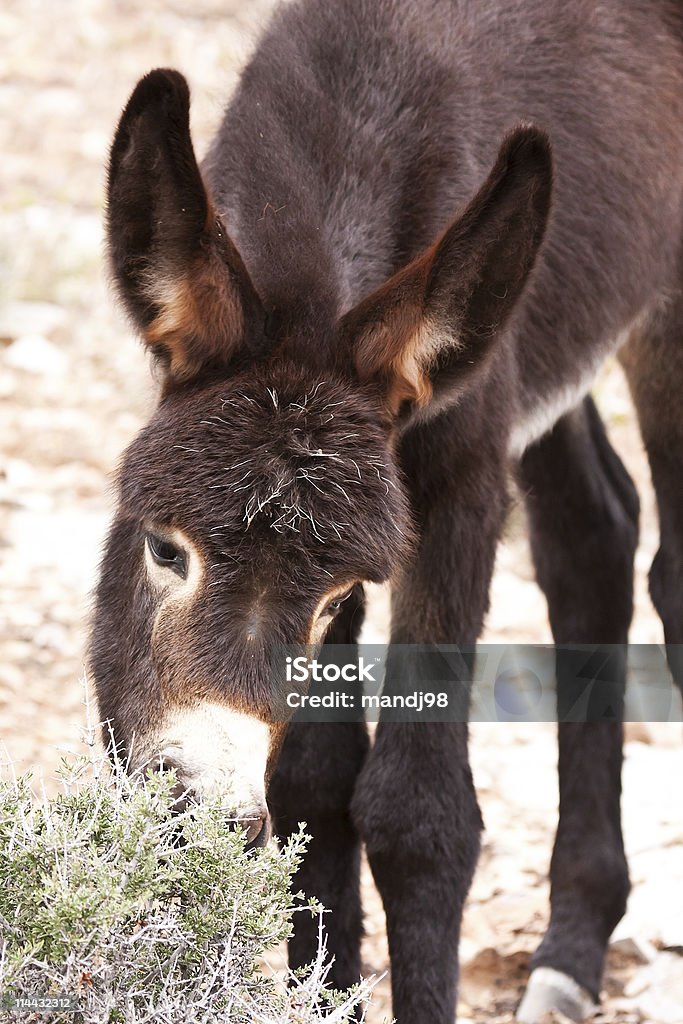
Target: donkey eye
x=167 y=554
x=334 y=606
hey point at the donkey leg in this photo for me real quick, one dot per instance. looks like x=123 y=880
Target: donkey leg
x=418 y=813
x=313 y=782
x=415 y=803
x=653 y=361
x=583 y=514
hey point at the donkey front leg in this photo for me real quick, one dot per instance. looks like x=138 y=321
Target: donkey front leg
x=313 y=782
x=416 y=808
x=415 y=803
x=583 y=513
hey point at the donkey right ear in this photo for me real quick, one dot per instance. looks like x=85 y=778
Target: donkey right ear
x=181 y=278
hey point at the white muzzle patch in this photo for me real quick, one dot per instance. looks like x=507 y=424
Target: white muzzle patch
x=220 y=754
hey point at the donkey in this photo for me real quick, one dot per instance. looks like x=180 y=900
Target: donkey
x=419 y=231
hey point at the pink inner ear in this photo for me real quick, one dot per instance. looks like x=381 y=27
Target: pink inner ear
x=205 y=310
x=386 y=333
x=455 y=296
x=179 y=274
x=200 y=317
x=404 y=373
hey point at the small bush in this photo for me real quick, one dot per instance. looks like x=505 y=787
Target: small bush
x=148 y=918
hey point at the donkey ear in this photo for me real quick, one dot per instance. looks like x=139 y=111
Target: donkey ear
x=181 y=278
x=430 y=326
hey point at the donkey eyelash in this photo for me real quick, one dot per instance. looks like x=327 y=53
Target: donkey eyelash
x=167 y=554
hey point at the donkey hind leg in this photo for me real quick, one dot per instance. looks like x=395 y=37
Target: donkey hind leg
x=583 y=516
x=653 y=361
x=313 y=782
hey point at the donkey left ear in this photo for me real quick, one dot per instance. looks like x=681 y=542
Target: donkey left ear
x=420 y=335
x=180 y=276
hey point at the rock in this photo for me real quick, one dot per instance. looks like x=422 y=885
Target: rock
x=637 y=949
x=18 y=474
x=52 y=636
x=661 y=734
x=20 y=318
x=657 y=990
x=35 y=354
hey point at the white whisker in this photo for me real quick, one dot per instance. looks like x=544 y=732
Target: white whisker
x=340 y=488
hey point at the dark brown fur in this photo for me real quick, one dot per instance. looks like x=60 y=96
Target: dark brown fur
x=420 y=229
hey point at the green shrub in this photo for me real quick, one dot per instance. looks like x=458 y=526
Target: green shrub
x=148 y=918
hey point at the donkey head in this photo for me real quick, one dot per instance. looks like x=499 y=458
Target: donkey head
x=265 y=489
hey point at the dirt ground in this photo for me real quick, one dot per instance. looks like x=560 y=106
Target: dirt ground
x=74 y=388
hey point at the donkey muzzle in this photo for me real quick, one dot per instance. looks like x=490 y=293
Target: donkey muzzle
x=253 y=819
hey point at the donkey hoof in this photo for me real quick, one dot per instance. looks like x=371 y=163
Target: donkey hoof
x=549 y=989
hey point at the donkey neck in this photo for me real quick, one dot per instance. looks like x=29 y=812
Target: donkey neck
x=329 y=183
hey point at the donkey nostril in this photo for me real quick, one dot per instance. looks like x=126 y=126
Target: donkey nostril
x=262 y=837
x=254 y=822
x=256 y=827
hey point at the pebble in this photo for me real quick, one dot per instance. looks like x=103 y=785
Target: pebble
x=35 y=354
x=657 y=989
x=20 y=318
x=634 y=948
x=663 y=734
